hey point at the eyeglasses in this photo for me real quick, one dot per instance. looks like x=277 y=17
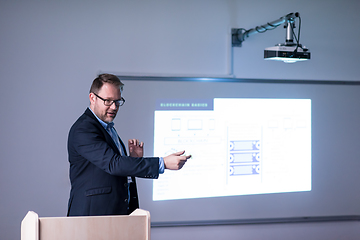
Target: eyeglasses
x=107 y=102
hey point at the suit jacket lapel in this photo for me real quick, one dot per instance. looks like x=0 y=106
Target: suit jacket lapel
x=123 y=146
x=107 y=136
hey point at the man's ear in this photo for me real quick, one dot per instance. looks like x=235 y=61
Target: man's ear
x=92 y=98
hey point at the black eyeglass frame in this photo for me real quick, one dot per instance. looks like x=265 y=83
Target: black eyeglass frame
x=107 y=102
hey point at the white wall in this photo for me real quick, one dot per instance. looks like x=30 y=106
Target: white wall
x=289 y=231
x=51 y=50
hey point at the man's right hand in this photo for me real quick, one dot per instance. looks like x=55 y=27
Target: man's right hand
x=176 y=161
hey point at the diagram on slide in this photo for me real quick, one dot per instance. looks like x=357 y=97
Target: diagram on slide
x=238 y=146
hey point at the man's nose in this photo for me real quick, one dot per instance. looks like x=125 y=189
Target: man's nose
x=113 y=105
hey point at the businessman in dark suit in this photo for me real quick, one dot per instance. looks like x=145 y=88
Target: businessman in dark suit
x=102 y=176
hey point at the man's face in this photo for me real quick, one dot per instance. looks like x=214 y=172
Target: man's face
x=109 y=92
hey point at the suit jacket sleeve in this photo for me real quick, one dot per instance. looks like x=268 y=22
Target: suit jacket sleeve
x=89 y=141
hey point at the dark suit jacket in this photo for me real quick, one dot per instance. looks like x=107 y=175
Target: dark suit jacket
x=98 y=173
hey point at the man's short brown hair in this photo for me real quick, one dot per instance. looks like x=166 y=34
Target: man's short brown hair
x=105 y=78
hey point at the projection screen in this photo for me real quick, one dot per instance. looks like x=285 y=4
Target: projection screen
x=261 y=149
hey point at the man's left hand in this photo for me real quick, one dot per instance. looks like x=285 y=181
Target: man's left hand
x=136 y=148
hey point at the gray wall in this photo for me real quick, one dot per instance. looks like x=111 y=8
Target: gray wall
x=51 y=50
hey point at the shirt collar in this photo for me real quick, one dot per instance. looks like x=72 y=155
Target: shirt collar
x=104 y=124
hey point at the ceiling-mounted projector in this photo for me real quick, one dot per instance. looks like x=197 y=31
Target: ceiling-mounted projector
x=291 y=51
x=287 y=53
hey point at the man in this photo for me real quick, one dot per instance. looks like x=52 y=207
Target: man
x=102 y=176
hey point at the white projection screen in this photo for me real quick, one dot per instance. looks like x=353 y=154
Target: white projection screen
x=239 y=146
x=261 y=149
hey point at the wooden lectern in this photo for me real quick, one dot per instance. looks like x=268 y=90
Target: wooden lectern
x=124 y=227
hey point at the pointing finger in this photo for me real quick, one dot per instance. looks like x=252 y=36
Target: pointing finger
x=179 y=153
